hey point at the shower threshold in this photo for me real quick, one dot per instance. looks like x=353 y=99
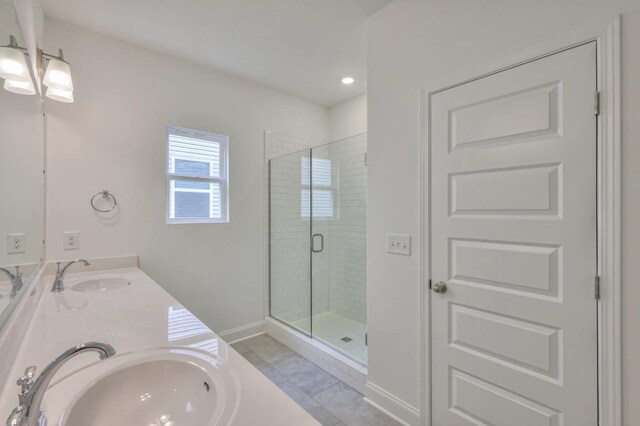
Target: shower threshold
x=335 y=361
x=341 y=333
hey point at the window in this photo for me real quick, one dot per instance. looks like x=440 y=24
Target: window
x=197 y=176
x=320 y=173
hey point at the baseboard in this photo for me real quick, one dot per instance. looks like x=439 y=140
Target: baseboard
x=393 y=406
x=243 y=332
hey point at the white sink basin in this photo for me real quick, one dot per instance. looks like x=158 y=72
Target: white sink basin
x=159 y=393
x=101 y=284
x=173 y=387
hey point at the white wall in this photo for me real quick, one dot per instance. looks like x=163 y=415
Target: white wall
x=113 y=137
x=348 y=118
x=418 y=44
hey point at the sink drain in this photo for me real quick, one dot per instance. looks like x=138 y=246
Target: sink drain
x=207 y=387
x=346 y=339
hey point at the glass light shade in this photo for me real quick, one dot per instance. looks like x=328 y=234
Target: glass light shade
x=60 y=95
x=58 y=76
x=13 y=65
x=20 y=87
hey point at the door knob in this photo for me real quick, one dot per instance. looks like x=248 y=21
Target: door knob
x=440 y=287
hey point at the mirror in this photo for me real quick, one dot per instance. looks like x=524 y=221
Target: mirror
x=21 y=179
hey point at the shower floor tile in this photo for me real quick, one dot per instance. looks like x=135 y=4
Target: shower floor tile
x=331 y=328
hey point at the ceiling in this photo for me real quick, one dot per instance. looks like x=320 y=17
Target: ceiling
x=300 y=47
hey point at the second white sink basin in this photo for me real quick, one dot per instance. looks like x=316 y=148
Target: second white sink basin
x=101 y=284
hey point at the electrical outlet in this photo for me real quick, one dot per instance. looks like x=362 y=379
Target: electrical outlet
x=15 y=243
x=71 y=240
x=399 y=244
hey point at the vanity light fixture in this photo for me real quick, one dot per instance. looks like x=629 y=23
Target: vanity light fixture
x=13 y=63
x=65 y=96
x=19 y=87
x=58 y=74
x=54 y=70
x=348 y=81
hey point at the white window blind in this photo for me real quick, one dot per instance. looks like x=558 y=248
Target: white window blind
x=197 y=184
x=319 y=174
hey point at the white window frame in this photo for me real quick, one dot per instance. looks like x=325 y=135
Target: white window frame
x=222 y=180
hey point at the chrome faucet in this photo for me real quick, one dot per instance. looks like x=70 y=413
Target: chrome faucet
x=58 y=285
x=16 y=281
x=28 y=413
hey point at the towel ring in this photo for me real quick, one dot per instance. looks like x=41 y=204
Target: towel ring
x=105 y=194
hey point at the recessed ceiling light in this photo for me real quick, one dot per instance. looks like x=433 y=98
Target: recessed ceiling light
x=348 y=80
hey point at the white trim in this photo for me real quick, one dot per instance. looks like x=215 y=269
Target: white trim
x=606 y=33
x=425 y=268
x=391 y=405
x=243 y=332
x=609 y=226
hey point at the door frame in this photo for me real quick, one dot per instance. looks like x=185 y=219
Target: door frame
x=606 y=33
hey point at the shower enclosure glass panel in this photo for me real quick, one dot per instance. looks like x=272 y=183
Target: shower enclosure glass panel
x=339 y=204
x=290 y=239
x=323 y=192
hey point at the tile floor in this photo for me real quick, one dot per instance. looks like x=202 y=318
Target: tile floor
x=325 y=397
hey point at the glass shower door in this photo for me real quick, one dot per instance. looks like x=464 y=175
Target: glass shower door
x=290 y=240
x=338 y=228
x=324 y=210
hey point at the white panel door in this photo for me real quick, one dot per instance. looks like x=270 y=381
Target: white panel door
x=513 y=238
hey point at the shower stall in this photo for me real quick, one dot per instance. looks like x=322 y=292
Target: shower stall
x=317 y=243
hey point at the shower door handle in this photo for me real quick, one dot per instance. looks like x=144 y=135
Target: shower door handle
x=313 y=243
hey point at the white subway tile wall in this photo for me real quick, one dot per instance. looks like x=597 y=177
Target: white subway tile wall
x=347 y=236
x=290 y=242
x=289 y=250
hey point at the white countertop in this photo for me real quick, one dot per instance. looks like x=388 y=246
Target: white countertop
x=138 y=317
x=5 y=291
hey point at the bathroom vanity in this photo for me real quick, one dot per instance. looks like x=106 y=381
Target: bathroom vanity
x=168 y=367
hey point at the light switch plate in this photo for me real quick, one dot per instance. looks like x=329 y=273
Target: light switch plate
x=71 y=240
x=399 y=244
x=15 y=243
